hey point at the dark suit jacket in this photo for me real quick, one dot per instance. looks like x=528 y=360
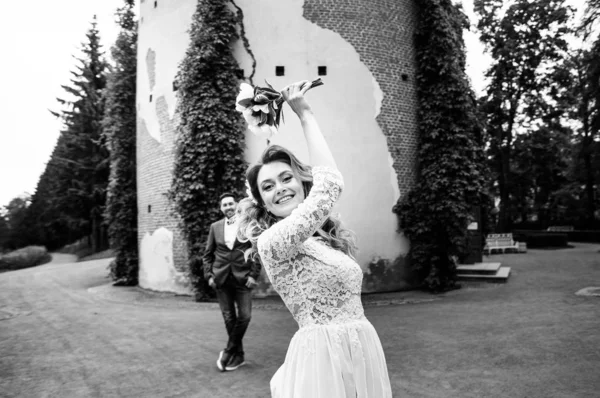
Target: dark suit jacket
x=218 y=260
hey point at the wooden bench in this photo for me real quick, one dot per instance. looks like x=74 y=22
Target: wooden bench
x=561 y=228
x=500 y=242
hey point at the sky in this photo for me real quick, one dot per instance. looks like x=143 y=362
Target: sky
x=38 y=39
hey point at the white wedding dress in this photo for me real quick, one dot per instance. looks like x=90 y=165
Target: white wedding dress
x=336 y=352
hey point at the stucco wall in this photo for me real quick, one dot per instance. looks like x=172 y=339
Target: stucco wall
x=366 y=110
x=163 y=39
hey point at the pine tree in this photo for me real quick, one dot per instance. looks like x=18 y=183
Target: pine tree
x=76 y=176
x=120 y=132
x=52 y=219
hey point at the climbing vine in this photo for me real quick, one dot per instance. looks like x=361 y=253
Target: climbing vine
x=119 y=125
x=210 y=144
x=434 y=215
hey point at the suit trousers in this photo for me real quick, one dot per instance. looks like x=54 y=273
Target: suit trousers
x=232 y=294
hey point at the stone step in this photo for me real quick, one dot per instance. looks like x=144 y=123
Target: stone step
x=499 y=277
x=478 y=268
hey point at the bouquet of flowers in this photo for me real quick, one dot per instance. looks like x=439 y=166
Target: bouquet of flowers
x=262 y=107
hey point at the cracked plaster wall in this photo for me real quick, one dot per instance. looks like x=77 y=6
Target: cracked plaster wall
x=366 y=110
x=163 y=263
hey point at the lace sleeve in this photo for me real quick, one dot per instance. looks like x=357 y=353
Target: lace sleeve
x=282 y=239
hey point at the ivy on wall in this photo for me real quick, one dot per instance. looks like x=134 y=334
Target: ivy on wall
x=119 y=129
x=210 y=142
x=434 y=215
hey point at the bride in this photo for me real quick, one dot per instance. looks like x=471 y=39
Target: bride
x=308 y=257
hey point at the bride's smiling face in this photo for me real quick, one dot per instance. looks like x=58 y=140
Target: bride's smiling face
x=280 y=188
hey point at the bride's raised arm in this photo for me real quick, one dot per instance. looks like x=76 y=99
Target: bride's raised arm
x=318 y=150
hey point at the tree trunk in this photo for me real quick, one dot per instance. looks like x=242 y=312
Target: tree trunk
x=505 y=149
x=95 y=235
x=503 y=183
x=589 y=189
x=587 y=159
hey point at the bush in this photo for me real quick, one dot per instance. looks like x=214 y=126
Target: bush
x=584 y=236
x=79 y=246
x=592 y=236
x=26 y=257
x=541 y=239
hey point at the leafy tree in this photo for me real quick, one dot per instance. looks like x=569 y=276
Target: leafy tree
x=210 y=143
x=578 y=92
x=12 y=223
x=4 y=232
x=525 y=39
x=435 y=213
x=580 y=82
x=590 y=112
x=120 y=133
x=539 y=170
x=591 y=16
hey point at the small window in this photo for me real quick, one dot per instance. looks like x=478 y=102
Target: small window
x=150 y=97
x=155 y=4
x=322 y=71
x=279 y=71
x=149 y=208
x=404 y=77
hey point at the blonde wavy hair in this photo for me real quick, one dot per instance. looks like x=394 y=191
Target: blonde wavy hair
x=254 y=218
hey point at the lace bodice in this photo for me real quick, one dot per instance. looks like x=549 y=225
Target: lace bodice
x=319 y=284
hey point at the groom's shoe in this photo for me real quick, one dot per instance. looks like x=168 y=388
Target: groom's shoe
x=224 y=359
x=236 y=362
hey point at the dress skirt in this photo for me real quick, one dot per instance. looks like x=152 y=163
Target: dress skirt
x=340 y=360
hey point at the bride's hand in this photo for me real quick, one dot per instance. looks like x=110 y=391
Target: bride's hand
x=294 y=96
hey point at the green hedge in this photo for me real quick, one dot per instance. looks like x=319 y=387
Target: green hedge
x=26 y=257
x=584 y=236
x=541 y=239
x=591 y=236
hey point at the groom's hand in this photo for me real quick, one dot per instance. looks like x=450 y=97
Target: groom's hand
x=211 y=283
x=250 y=283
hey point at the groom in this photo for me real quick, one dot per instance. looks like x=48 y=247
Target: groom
x=233 y=278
